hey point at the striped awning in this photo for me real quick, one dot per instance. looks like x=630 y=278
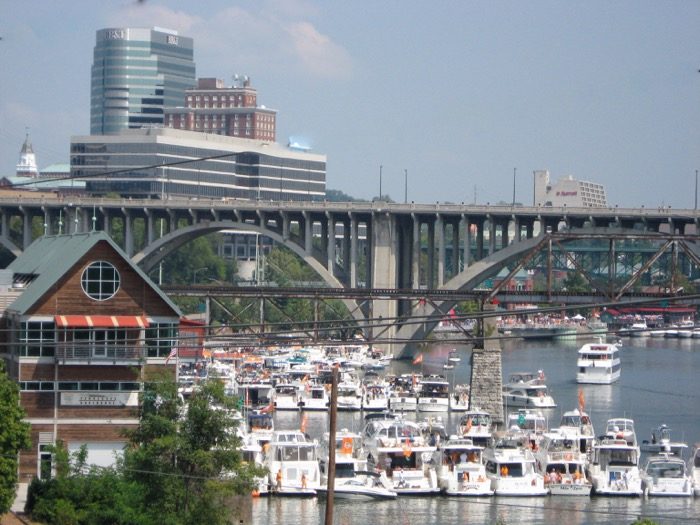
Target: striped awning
x=101 y=321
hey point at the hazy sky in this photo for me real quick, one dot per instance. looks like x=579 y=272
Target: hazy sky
x=458 y=93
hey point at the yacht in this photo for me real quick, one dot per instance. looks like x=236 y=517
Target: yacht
x=598 y=363
x=362 y=486
x=614 y=468
x=666 y=475
x=286 y=396
x=511 y=469
x=453 y=357
x=376 y=397
x=476 y=425
x=528 y=424
x=292 y=462
x=459 y=399
x=461 y=470
x=434 y=394
x=562 y=459
x=398 y=446
x=315 y=397
x=349 y=394
x=402 y=394
x=527 y=395
x=661 y=442
x=621 y=428
x=577 y=420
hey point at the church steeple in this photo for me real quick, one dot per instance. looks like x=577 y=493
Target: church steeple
x=26 y=167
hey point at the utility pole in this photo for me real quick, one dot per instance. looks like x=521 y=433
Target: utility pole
x=331 y=447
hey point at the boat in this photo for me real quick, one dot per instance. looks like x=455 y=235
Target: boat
x=399 y=447
x=694 y=468
x=614 y=468
x=527 y=424
x=453 y=357
x=578 y=421
x=562 y=459
x=527 y=395
x=598 y=363
x=349 y=393
x=448 y=366
x=512 y=470
x=476 y=425
x=433 y=395
x=621 y=428
x=461 y=470
x=459 y=399
x=292 y=462
x=314 y=397
x=376 y=396
x=286 y=396
x=361 y=486
x=665 y=474
x=661 y=442
x=402 y=393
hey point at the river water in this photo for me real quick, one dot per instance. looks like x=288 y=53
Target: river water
x=659 y=384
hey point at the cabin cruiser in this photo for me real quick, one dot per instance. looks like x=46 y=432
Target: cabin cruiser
x=292 y=462
x=402 y=394
x=511 y=469
x=666 y=475
x=349 y=393
x=461 y=470
x=476 y=425
x=562 y=459
x=694 y=468
x=459 y=399
x=286 y=396
x=375 y=396
x=314 y=397
x=621 y=428
x=661 y=442
x=527 y=395
x=527 y=424
x=578 y=421
x=433 y=395
x=453 y=357
x=598 y=363
x=398 y=446
x=614 y=468
x=354 y=475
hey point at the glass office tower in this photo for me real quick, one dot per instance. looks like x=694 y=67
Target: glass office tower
x=136 y=72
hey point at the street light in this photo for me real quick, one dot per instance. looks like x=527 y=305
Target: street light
x=194 y=274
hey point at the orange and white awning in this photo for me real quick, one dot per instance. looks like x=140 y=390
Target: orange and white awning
x=101 y=321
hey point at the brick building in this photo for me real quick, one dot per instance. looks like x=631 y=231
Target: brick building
x=83 y=329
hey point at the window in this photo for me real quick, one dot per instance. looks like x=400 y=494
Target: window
x=37 y=338
x=45 y=460
x=100 y=280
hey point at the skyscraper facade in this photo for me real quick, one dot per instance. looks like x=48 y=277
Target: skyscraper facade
x=136 y=73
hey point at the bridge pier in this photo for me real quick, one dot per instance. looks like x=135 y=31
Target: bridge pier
x=487 y=371
x=383 y=275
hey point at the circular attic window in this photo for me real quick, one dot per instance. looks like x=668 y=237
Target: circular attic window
x=100 y=280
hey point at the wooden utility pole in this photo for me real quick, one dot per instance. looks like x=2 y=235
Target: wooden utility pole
x=331 y=446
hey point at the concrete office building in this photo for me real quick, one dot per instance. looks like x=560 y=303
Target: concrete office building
x=136 y=73
x=568 y=192
x=213 y=107
x=163 y=162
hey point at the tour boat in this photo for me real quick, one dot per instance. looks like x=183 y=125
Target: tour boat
x=614 y=468
x=476 y=425
x=598 y=363
x=398 y=446
x=459 y=399
x=562 y=459
x=286 y=396
x=292 y=462
x=434 y=394
x=511 y=469
x=666 y=475
x=461 y=470
x=694 y=468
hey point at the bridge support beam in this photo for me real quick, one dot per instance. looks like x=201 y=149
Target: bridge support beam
x=440 y=232
x=384 y=264
x=487 y=372
x=353 y=252
x=415 y=256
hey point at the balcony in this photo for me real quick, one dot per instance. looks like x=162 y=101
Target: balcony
x=98 y=355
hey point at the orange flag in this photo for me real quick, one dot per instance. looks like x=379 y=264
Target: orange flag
x=418 y=360
x=581 y=401
x=302 y=427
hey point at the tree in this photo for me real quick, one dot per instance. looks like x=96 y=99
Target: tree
x=575 y=282
x=14 y=436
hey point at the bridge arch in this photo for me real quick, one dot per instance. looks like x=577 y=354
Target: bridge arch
x=489 y=267
x=151 y=256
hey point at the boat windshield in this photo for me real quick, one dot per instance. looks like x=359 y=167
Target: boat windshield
x=296 y=453
x=476 y=419
x=662 y=469
x=619 y=457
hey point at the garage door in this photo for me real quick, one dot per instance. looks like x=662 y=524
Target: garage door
x=100 y=454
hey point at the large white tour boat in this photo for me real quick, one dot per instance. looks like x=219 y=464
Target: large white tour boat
x=598 y=363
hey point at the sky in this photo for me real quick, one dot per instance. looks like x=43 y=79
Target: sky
x=451 y=101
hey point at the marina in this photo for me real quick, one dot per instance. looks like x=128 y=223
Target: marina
x=651 y=392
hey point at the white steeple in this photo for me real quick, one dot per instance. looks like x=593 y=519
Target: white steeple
x=26 y=167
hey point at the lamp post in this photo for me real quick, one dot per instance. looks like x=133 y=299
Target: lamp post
x=405 y=186
x=514 y=169
x=380 y=181
x=194 y=273
x=696 y=190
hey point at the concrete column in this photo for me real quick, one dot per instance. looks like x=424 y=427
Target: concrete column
x=5 y=228
x=173 y=221
x=516 y=229
x=308 y=236
x=487 y=372
x=128 y=233
x=440 y=232
x=26 y=227
x=346 y=246
x=285 y=225
x=480 y=240
x=330 y=250
x=492 y=236
x=86 y=220
x=467 y=241
x=150 y=233
x=415 y=256
x=430 y=277
x=106 y=225
x=529 y=229
x=353 y=251
x=384 y=275
x=455 y=248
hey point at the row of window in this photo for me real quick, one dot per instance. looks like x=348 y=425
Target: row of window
x=89 y=386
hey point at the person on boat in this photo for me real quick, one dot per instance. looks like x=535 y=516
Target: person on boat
x=387 y=465
x=578 y=477
x=463 y=457
x=504 y=471
x=370 y=461
x=303 y=480
x=279 y=479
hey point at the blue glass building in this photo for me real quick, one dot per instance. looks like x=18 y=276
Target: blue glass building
x=136 y=72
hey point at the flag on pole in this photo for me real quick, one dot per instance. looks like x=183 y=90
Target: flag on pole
x=418 y=360
x=268 y=408
x=173 y=353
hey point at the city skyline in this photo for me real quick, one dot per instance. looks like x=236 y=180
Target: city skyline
x=455 y=101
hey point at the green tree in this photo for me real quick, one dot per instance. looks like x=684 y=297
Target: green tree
x=14 y=436
x=575 y=282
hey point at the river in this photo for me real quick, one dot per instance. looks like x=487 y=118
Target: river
x=659 y=384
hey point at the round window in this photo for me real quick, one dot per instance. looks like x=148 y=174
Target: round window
x=100 y=280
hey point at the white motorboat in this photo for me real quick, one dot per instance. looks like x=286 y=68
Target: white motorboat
x=621 y=428
x=286 y=396
x=476 y=424
x=660 y=442
x=399 y=447
x=511 y=469
x=694 y=469
x=349 y=394
x=314 y=397
x=459 y=399
x=453 y=357
x=376 y=397
x=598 y=363
x=666 y=475
x=448 y=366
x=527 y=395
x=562 y=459
x=403 y=393
x=639 y=329
x=577 y=421
x=528 y=424
x=434 y=394
x=461 y=470
x=292 y=461
x=361 y=486
x=614 y=468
